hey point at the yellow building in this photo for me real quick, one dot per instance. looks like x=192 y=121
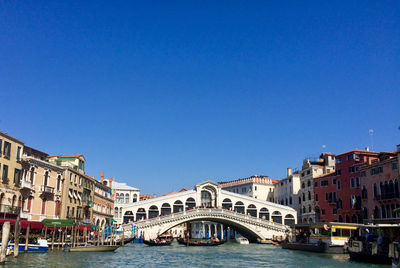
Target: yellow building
x=11 y=173
x=78 y=188
x=41 y=186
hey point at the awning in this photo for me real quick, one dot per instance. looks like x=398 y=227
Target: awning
x=58 y=223
x=112 y=220
x=75 y=196
x=37 y=225
x=83 y=227
x=70 y=194
x=79 y=196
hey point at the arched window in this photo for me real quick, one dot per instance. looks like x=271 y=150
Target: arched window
x=309 y=195
x=239 y=207
x=126 y=198
x=227 y=204
x=264 y=214
x=134 y=198
x=309 y=208
x=32 y=174
x=116 y=213
x=120 y=212
x=58 y=182
x=121 y=198
x=44 y=206
x=117 y=197
x=46 y=178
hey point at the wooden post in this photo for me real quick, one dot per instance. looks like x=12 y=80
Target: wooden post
x=27 y=238
x=45 y=232
x=59 y=238
x=4 y=241
x=62 y=238
x=72 y=237
x=16 y=235
x=123 y=238
x=52 y=239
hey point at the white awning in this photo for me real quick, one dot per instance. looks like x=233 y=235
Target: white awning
x=79 y=196
x=75 y=196
x=70 y=193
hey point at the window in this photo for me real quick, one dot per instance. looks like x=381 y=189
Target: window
x=0 y=146
x=309 y=195
x=309 y=183
x=290 y=200
x=309 y=208
x=338 y=172
x=17 y=176
x=67 y=212
x=339 y=160
x=357 y=182
x=328 y=170
x=375 y=190
x=7 y=149
x=323 y=211
x=255 y=188
x=127 y=198
x=316 y=184
x=353 y=169
x=299 y=200
x=350 y=157
x=303 y=185
x=302 y=174
x=326 y=196
x=394 y=166
x=316 y=197
x=243 y=189
x=58 y=182
x=352 y=182
x=5 y=174
x=376 y=170
x=363 y=173
x=324 y=183
x=19 y=153
x=46 y=178
x=334 y=211
x=338 y=185
x=304 y=197
x=308 y=172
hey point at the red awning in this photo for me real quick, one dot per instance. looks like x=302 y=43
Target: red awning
x=34 y=225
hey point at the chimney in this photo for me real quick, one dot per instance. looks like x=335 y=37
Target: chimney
x=289 y=171
x=101 y=177
x=367 y=149
x=110 y=181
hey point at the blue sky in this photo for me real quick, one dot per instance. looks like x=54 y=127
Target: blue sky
x=165 y=94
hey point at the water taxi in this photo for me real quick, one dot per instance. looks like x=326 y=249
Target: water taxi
x=330 y=237
x=242 y=240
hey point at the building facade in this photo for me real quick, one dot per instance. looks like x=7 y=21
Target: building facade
x=78 y=188
x=125 y=195
x=311 y=169
x=41 y=186
x=338 y=194
x=103 y=205
x=287 y=189
x=257 y=186
x=11 y=150
x=380 y=192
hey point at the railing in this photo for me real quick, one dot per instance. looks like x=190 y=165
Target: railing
x=5 y=209
x=47 y=189
x=26 y=184
x=211 y=212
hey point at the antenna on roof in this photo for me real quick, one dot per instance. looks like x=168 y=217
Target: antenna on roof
x=371 y=135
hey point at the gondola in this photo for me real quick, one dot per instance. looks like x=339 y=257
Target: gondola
x=200 y=243
x=158 y=242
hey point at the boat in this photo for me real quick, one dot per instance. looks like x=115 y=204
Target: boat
x=105 y=248
x=199 y=243
x=330 y=237
x=321 y=247
x=158 y=242
x=376 y=243
x=242 y=240
x=126 y=241
x=40 y=246
x=267 y=242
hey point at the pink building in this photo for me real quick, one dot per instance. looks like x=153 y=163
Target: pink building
x=380 y=192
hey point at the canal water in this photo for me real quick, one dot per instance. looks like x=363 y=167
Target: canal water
x=227 y=255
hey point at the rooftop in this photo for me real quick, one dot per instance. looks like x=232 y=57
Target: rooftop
x=123 y=186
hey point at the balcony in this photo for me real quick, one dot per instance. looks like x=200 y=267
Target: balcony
x=26 y=185
x=9 y=211
x=25 y=215
x=387 y=196
x=46 y=189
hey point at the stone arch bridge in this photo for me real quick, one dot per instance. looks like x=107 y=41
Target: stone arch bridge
x=207 y=201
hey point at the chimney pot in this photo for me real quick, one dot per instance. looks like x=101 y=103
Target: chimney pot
x=101 y=177
x=367 y=148
x=289 y=172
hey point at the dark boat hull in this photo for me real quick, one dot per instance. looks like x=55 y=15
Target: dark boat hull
x=363 y=257
x=200 y=243
x=319 y=248
x=153 y=243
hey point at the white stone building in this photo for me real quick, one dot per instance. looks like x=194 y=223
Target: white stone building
x=286 y=190
x=125 y=195
x=257 y=186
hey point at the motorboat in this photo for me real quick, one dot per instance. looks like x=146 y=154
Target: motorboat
x=242 y=240
x=199 y=243
x=104 y=248
x=40 y=246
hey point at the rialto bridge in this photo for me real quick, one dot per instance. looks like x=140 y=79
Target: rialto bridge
x=208 y=202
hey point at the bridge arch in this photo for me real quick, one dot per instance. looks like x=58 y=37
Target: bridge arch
x=178 y=206
x=252 y=210
x=141 y=214
x=128 y=216
x=153 y=212
x=165 y=209
x=227 y=204
x=190 y=203
x=239 y=207
x=289 y=219
x=277 y=216
x=264 y=213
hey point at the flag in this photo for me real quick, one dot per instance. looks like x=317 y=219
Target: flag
x=114 y=194
x=353 y=202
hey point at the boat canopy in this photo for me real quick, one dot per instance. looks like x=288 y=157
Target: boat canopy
x=111 y=220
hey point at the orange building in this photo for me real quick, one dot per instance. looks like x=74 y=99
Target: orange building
x=103 y=205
